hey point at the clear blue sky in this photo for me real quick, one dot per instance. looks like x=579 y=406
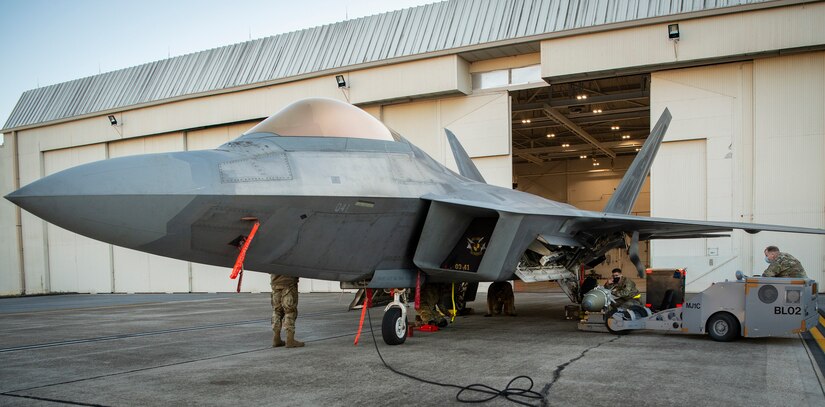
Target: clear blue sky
x=43 y=42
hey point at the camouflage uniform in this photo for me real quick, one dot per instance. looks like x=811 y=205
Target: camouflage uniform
x=428 y=308
x=284 y=308
x=624 y=291
x=785 y=265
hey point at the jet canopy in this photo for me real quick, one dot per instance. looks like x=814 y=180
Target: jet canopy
x=322 y=117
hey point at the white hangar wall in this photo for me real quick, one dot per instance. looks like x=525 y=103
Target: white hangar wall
x=746 y=144
x=11 y=257
x=704 y=41
x=56 y=260
x=747 y=138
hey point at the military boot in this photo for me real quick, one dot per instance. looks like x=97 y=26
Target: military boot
x=276 y=339
x=291 y=342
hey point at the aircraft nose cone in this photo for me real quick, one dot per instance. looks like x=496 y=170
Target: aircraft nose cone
x=126 y=201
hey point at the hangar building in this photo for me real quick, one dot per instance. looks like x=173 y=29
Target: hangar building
x=552 y=97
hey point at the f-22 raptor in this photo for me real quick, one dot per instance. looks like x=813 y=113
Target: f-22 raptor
x=339 y=196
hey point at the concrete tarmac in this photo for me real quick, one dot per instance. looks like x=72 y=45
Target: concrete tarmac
x=214 y=349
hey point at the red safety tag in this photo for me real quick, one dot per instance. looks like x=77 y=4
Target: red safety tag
x=367 y=303
x=242 y=255
x=417 y=301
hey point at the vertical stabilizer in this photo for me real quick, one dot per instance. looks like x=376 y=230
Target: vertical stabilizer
x=625 y=195
x=465 y=165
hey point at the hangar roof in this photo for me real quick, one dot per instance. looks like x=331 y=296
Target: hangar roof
x=476 y=29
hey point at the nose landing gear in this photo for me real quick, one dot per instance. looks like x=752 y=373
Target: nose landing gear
x=394 y=324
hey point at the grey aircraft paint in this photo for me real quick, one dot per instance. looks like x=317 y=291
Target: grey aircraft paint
x=336 y=204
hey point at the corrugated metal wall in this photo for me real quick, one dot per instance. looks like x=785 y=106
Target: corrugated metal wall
x=420 y=30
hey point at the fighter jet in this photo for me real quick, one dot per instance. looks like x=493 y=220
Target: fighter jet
x=336 y=195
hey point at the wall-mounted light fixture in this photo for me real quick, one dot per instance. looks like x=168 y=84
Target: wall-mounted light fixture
x=673 y=32
x=112 y=120
x=341 y=82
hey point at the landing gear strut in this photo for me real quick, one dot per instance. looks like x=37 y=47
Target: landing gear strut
x=394 y=324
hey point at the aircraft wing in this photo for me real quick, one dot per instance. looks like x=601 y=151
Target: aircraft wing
x=505 y=226
x=652 y=228
x=599 y=223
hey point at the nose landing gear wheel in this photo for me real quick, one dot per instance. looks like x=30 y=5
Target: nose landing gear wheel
x=394 y=327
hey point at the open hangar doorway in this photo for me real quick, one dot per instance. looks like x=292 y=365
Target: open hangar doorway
x=573 y=143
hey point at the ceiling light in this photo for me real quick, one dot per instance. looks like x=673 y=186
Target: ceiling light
x=637 y=148
x=581 y=97
x=626 y=137
x=595 y=163
x=565 y=145
x=551 y=135
x=597 y=110
x=582 y=156
x=614 y=127
x=525 y=121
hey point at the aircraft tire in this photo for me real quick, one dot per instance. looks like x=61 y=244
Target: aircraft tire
x=723 y=327
x=393 y=327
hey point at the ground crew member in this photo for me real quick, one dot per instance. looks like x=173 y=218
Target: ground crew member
x=284 y=310
x=623 y=288
x=590 y=282
x=782 y=264
x=428 y=312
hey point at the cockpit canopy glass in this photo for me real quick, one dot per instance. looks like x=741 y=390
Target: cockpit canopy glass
x=322 y=117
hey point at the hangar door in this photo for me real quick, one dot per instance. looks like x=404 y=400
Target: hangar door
x=699 y=171
x=76 y=263
x=136 y=272
x=678 y=189
x=481 y=123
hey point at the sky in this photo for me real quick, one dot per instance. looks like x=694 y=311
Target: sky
x=44 y=42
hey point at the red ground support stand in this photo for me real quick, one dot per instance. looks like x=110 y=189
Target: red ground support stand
x=428 y=328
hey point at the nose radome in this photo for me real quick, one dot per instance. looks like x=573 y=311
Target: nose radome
x=126 y=201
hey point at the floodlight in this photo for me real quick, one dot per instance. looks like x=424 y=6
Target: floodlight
x=673 y=32
x=341 y=82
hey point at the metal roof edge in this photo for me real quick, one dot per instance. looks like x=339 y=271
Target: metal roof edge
x=427 y=55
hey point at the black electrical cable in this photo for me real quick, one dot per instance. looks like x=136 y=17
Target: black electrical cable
x=509 y=393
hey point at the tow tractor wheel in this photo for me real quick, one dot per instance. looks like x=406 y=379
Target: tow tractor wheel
x=607 y=319
x=393 y=327
x=723 y=327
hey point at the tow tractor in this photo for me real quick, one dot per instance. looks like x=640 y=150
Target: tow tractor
x=752 y=307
